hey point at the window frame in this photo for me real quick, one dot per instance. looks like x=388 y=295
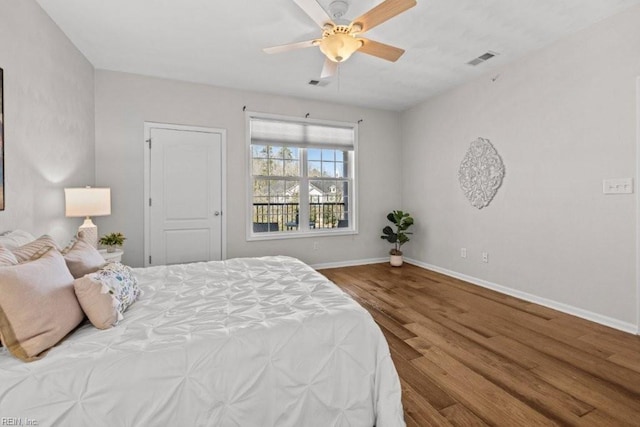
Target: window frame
x=304 y=230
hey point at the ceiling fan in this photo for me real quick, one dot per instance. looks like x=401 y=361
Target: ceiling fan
x=339 y=41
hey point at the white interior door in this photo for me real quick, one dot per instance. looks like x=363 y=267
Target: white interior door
x=185 y=196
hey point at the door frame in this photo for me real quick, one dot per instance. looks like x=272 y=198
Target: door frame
x=637 y=196
x=148 y=126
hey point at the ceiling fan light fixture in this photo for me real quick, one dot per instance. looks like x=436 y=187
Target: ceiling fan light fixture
x=356 y=27
x=341 y=38
x=339 y=47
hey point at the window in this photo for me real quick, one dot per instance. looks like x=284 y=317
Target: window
x=301 y=177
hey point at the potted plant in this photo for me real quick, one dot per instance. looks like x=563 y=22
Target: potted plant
x=112 y=240
x=402 y=221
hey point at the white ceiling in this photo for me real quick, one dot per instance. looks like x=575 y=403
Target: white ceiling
x=220 y=42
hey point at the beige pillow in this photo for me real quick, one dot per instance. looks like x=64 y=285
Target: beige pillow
x=7 y=257
x=82 y=258
x=34 y=249
x=106 y=294
x=38 y=306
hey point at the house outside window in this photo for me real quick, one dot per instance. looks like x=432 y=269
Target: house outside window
x=301 y=177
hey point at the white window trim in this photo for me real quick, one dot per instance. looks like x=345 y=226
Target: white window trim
x=304 y=231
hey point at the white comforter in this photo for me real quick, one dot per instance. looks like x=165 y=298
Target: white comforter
x=244 y=342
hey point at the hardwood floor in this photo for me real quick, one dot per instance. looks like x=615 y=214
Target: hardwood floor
x=469 y=356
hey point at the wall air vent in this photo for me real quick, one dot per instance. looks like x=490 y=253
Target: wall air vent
x=482 y=58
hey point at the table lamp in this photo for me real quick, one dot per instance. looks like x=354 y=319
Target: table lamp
x=87 y=202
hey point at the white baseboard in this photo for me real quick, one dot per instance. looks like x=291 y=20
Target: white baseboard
x=349 y=263
x=565 y=308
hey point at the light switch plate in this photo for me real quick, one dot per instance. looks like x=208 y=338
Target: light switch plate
x=617 y=186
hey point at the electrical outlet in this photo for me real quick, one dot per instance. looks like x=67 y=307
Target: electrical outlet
x=315 y=246
x=617 y=186
x=485 y=257
x=463 y=252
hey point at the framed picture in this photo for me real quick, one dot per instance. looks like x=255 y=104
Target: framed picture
x=1 y=142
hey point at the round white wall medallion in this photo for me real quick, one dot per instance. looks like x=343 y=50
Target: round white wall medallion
x=481 y=173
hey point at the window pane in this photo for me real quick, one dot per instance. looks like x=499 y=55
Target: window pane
x=314 y=213
x=343 y=221
x=328 y=154
x=277 y=152
x=314 y=169
x=259 y=151
x=260 y=167
x=314 y=154
x=269 y=151
x=328 y=169
x=275 y=161
x=275 y=205
x=260 y=188
x=291 y=168
x=276 y=168
x=260 y=213
x=286 y=152
x=292 y=206
x=327 y=202
x=273 y=151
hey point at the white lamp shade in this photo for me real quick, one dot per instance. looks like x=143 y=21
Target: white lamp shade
x=339 y=47
x=87 y=201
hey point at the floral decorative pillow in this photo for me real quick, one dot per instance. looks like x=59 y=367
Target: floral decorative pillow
x=106 y=294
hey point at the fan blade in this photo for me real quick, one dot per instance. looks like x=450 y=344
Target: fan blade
x=328 y=69
x=315 y=12
x=381 y=50
x=381 y=13
x=288 y=47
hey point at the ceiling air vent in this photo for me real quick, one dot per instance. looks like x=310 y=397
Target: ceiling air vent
x=484 y=57
x=318 y=82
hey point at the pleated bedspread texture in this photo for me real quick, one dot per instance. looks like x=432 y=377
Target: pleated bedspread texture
x=243 y=342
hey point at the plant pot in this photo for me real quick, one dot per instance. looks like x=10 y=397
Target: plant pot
x=111 y=249
x=395 y=260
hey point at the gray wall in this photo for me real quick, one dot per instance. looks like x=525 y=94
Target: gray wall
x=563 y=119
x=48 y=120
x=125 y=101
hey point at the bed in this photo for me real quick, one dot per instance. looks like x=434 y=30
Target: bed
x=243 y=342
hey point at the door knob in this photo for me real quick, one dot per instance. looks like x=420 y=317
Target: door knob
x=217 y=213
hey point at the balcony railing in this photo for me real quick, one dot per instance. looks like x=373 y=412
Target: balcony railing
x=285 y=216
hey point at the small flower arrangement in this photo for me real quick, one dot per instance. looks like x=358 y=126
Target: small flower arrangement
x=112 y=240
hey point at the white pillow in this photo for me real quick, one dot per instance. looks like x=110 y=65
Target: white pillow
x=7 y=257
x=15 y=238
